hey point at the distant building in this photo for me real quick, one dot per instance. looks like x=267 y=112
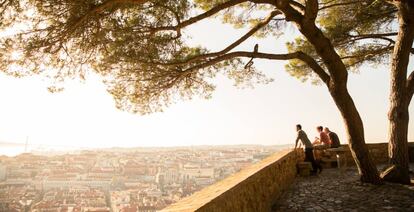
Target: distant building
x=133 y=169
x=49 y=184
x=190 y=171
x=168 y=176
x=119 y=200
x=3 y=172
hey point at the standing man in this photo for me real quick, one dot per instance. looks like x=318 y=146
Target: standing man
x=333 y=137
x=308 y=148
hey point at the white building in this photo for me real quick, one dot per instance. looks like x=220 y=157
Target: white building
x=168 y=176
x=191 y=171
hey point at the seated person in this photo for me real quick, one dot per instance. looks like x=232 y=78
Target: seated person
x=333 y=138
x=323 y=138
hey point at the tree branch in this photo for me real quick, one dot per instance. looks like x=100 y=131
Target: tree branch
x=237 y=54
x=101 y=7
x=356 y=38
x=315 y=67
x=298 y=6
x=256 y=28
x=372 y=53
x=337 y=4
x=375 y=35
x=295 y=55
x=290 y=12
x=381 y=36
x=200 y=17
x=311 y=9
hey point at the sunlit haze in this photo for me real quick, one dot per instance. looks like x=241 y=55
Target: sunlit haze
x=84 y=115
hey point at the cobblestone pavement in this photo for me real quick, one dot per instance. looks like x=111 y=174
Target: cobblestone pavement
x=335 y=191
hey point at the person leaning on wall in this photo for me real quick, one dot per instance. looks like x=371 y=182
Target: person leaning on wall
x=308 y=149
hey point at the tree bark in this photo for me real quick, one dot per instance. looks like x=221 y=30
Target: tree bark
x=398 y=116
x=400 y=97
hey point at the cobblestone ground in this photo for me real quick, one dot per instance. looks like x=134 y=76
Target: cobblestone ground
x=335 y=191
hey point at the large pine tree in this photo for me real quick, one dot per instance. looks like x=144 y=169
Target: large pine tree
x=401 y=93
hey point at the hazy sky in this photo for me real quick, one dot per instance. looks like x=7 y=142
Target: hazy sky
x=85 y=115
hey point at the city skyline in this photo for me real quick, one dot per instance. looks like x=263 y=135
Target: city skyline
x=115 y=180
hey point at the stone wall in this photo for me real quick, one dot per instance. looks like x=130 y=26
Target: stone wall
x=378 y=152
x=254 y=188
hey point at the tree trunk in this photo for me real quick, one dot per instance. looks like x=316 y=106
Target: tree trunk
x=336 y=82
x=355 y=133
x=337 y=86
x=398 y=114
x=398 y=117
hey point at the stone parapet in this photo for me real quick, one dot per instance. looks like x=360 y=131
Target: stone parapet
x=254 y=188
x=378 y=153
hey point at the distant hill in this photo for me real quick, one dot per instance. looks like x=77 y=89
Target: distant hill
x=10 y=144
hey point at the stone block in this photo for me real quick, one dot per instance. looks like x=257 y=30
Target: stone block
x=304 y=168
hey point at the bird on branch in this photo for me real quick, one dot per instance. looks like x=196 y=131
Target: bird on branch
x=250 y=63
